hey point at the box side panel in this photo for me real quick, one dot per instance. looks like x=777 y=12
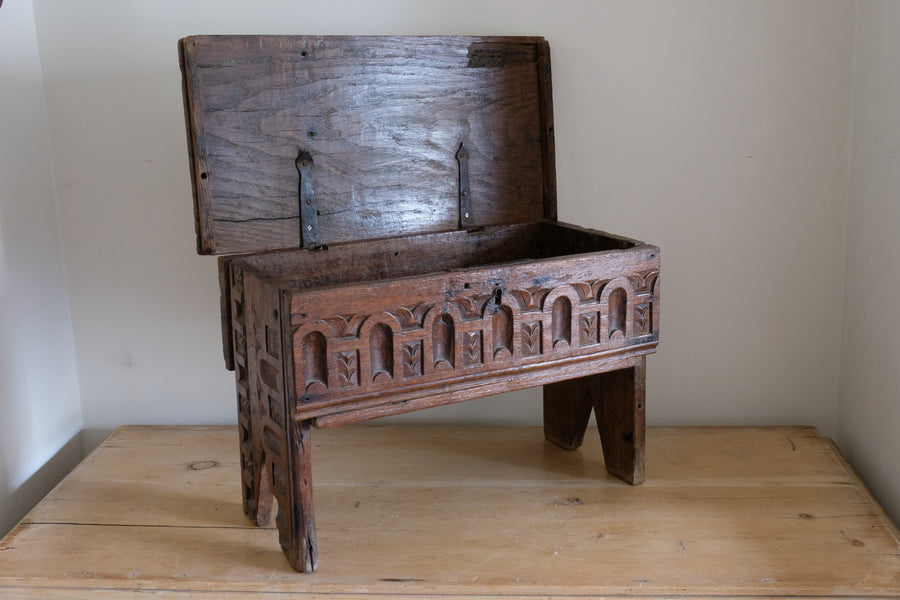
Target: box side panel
x=262 y=374
x=382 y=118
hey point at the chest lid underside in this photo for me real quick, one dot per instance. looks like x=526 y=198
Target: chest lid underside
x=382 y=119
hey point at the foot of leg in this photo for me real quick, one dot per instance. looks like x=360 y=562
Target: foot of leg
x=621 y=420
x=567 y=409
x=296 y=522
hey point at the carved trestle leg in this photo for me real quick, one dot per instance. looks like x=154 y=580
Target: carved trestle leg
x=617 y=398
x=275 y=450
x=255 y=479
x=296 y=521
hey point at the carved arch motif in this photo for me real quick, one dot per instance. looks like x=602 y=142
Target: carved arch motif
x=500 y=337
x=314 y=350
x=617 y=302
x=381 y=353
x=311 y=345
x=445 y=340
x=561 y=313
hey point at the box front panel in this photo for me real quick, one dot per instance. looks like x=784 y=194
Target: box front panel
x=360 y=345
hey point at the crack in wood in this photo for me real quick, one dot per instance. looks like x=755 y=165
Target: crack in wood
x=257 y=219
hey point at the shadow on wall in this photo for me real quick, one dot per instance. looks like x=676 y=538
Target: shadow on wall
x=15 y=504
x=35 y=382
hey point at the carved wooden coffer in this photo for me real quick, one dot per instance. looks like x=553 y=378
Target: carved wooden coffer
x=387 y=206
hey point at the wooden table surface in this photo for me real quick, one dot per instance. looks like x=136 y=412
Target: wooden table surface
x=475 y=512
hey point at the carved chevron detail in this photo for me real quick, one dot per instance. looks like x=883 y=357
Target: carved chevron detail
x=412 y=359
x=588 y=328
x=642 y=316
x=347 y=369
x=531 y=338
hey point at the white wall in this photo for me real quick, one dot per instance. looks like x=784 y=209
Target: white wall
x=716 y=130
x=40 y=410
x=870 y=374
x=719 y=131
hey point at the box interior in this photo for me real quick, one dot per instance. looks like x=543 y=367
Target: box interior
x=418 y=255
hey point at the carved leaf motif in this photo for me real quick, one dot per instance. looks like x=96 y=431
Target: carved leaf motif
x=471 y=307
x=642 y=317
x=589 y=328
x=411 y=316
x=530 y=298
x=412 y=359
x=472 y=347
x=643 y=281
x=347 y=369
x=531 y=338
x=345 y=325
x=597 y=286
x=584 y=291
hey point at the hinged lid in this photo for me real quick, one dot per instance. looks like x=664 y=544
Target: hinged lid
x=382 y=119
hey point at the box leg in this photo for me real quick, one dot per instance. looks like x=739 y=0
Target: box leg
x=617 y=398
x=296 y=521
x=567 y=410
x=256 y=468
x=621 y=420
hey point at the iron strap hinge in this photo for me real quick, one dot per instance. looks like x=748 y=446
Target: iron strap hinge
x=309 y=215
x=466 y=217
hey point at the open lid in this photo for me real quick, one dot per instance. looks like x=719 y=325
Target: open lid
x=381 y=120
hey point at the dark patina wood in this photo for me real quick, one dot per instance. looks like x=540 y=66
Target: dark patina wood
x=382 y=118
x=394 y=201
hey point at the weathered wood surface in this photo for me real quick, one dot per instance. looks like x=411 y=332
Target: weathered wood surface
x=472 y=512
x=382 y=118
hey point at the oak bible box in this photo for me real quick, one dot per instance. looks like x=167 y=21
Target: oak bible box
x=387 y=208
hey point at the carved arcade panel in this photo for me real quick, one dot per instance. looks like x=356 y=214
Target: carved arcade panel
x=349 y=355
